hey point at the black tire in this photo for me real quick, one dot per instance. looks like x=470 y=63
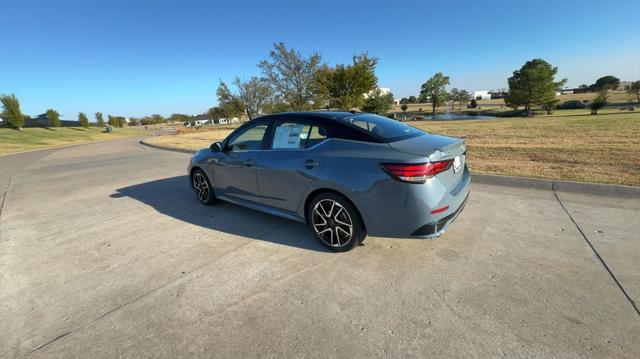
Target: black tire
x=202 y=188
x=329 y=216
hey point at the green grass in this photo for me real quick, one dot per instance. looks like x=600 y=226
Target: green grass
x=12 y=140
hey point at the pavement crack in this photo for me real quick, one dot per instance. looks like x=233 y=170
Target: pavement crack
x=602 y=261
x=4 y=195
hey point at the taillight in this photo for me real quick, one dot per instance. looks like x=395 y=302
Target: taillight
x=415 y=173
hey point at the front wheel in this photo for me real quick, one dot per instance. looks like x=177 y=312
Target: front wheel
x=335 y=222
x=202 y=187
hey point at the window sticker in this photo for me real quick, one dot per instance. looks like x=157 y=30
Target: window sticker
x=287 y=136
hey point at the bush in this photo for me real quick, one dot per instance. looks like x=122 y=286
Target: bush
x=473 y=103
x=571 y=105
x=598 y=103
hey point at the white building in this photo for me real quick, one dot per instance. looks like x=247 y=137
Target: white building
x=481 y=95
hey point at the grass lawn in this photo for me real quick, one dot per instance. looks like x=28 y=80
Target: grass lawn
x=569 y=145
x=38 y=137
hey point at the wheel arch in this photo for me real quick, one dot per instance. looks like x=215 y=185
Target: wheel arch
x=318 y=191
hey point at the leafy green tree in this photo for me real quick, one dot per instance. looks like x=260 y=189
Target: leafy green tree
x=134 y=121
x=634 y=90
x=377 y=102
x=99 y=119
x=11 y=111
x=253 y=94
x=413 y=99
x=83 y=119
x=583 y=87
x=607 y=83
x=454 y=96
x=348 y=84
x=599 y=102
x=534 y=83
x=276 y=107
x=463 y=98
x=291 y=75
x=230 y=104
x=54 y=118
x=404 y=107
x=404 y=100
x=434 y=87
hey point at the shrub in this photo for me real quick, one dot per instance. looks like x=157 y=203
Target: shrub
x=598 y=103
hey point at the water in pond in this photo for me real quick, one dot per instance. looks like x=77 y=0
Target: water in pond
x=448 y=116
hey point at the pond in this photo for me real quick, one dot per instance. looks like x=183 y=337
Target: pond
x=448 y=116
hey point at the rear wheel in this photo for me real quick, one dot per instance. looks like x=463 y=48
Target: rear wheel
x=202 y=187
x=335 y=222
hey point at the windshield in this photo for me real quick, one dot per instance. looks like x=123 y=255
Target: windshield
x=382 y=128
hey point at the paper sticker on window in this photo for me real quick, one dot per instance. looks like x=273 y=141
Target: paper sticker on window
x=287 y=136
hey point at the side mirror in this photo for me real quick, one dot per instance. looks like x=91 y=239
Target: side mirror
x=216 y=147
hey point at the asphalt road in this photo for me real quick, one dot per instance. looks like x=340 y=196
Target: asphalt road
x=104 y=252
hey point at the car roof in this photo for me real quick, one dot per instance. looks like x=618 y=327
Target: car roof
x=326 y=115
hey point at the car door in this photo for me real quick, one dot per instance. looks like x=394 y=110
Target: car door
x=234 y=170
x=291 y=162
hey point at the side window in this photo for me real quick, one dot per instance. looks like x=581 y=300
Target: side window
x=294 y=135
x=316 y=135
x=249 y=140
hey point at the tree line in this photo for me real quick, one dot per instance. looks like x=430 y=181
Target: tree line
x=291 y=81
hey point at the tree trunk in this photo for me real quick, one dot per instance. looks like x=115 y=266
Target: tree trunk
x=433 y=103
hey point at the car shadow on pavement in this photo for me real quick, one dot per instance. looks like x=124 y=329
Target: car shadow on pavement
x=174 y=197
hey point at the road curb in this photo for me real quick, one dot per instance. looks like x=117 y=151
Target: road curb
x=557 y=185
x=158 y=147
x=521 y=182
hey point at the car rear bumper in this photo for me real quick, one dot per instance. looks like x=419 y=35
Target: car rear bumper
x=437 y=228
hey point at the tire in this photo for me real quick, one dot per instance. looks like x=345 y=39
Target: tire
x=202 y=188
x=335 y=222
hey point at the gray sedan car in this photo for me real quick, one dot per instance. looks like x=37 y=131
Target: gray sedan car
x=346 y=174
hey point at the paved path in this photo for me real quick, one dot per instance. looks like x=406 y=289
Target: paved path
x=104 y=252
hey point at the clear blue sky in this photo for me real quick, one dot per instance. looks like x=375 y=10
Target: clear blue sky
x=134 y=58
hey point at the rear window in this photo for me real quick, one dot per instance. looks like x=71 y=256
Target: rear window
x=382 y=128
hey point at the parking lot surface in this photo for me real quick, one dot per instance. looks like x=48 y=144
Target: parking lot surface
x=105 y=252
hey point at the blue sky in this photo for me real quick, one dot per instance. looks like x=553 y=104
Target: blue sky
x=136 y=57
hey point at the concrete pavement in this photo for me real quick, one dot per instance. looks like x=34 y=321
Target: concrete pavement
x=105 y=252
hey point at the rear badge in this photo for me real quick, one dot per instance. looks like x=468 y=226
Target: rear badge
x=457 y=163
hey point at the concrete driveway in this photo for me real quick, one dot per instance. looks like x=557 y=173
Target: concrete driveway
x=104 y=252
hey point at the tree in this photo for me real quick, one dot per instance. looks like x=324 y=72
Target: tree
x=404 y=107
x=534 y=83
x=413 y=99
x=347 y=85
x=276 y=107
x=54 y=118
x=463 y=97
x=228 y=102
x=583 y=87
x=377 y=102
x=83 y=119
x=99 y=119
x=291 y=75
x=253 y=94
x=11 y=111
x=634 y=90
x=434 y=87
x=606 y=83
x=454 y=96
x=599 y=102
x=134 y=121
x=550 y=106
x=404 y=100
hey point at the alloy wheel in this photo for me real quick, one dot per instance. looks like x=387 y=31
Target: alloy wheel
x=332 y=223
x=201 y=186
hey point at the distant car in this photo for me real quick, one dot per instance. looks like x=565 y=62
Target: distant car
x=346 y=174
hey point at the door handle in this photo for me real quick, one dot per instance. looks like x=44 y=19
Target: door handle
x=311 y=164
x=250 y=163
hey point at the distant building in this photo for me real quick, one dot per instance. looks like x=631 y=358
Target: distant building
x=481 y=95
x=42 y=120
